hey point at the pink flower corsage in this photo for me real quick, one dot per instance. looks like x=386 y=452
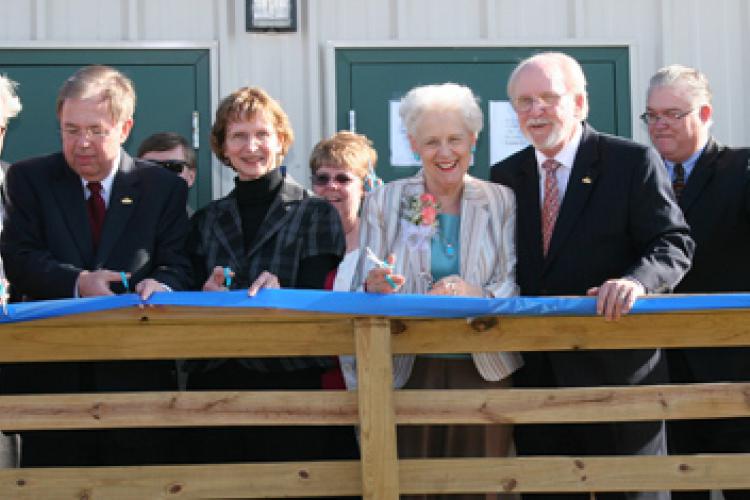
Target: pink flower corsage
x=419 y=220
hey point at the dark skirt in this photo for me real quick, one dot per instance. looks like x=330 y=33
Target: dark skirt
x=453 y=441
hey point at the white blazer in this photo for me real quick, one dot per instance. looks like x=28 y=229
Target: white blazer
x=487 y=256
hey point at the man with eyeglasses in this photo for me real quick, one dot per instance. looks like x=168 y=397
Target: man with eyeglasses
x=92 y=221
x=712 y=185
x=595 y=216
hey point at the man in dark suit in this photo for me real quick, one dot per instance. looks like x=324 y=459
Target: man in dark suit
x=712 y=186
x=75 y=221
x=595 y=216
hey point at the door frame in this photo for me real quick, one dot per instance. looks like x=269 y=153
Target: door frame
x=217 y=169
x=329 y=105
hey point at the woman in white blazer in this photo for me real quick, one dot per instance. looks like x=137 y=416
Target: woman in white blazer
x=445 y=233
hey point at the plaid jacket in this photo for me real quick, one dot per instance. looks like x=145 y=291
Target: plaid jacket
x=298 y=225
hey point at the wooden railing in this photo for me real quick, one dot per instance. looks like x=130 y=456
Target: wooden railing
x=189 y=332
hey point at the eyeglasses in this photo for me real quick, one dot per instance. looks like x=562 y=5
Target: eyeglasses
x=90 y=133
x=324 y=179
x=175 y=166
x=524 y=103
x=669 y=116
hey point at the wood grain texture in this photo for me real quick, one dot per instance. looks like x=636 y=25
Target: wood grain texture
x=190 y=332
x=412 y=407
x=376 y=414
x=326 y=479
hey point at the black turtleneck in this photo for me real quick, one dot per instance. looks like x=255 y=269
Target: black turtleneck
x=254 y=199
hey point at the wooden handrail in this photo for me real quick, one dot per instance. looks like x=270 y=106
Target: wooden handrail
x=181 y=332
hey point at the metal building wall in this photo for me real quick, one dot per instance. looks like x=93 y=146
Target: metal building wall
x=713 y=36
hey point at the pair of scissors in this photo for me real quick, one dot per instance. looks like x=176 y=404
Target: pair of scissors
x=382 y=265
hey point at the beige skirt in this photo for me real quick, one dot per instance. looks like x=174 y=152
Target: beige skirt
x=454 y=441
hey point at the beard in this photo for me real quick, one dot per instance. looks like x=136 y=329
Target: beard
x=554 y=138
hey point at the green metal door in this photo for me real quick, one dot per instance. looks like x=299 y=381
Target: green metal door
x=171 y=85
x=368 y=78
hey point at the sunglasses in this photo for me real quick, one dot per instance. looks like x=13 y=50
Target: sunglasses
x=324 y=179
x=175 y=166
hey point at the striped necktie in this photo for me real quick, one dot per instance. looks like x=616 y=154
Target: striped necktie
x=678 y=182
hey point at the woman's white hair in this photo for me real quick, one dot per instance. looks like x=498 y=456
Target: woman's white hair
x=10 y=104
x=441 y=97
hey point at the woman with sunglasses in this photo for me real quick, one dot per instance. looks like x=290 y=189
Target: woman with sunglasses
x=443 y=232
x=342 y=169
x=269 y=232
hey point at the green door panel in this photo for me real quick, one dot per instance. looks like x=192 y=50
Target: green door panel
x=170 y=85
x=368 y=78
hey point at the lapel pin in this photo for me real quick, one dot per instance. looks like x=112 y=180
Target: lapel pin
x=127 y=201
x=586 y=180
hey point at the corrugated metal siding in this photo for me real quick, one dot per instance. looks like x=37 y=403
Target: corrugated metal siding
x=710 y=35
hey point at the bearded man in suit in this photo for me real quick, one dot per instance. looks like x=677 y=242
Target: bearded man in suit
x=75 y=221
x=595 y=216
x=712 y=185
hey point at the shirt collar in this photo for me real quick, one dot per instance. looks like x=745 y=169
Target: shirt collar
x=688 y=164
x=567 y=155
x=107 y=181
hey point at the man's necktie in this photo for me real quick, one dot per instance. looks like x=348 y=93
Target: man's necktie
x=551 y=204
x=96 y=209
x=678 y=184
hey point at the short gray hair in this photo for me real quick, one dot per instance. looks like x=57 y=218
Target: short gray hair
x=692 y=81
x=575 y=79
x=441 y=97
x=10 y=104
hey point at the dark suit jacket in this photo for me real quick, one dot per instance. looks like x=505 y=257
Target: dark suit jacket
x=46 y=241
x=716 y=204
x=618 y=218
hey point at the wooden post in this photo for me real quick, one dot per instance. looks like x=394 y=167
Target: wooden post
x=376 y=413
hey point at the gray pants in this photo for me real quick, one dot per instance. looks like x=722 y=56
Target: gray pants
x=9 y=451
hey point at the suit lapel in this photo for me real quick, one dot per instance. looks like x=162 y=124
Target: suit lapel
x=581 y=183
x=71 y=200
x=474 y=224
x=529 y=210
x=702 y=172
x=122 y=204
x=228 y=230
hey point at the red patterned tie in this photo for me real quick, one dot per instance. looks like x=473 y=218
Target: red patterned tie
x=96 y=209
x=551 y=204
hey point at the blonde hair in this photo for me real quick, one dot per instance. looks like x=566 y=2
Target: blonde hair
x=347 y=150
x=243 y=104
x=113 y=87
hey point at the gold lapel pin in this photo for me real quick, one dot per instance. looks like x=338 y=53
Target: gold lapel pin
x=127 y=201
x=586 y=180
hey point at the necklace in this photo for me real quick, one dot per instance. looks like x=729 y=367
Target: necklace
x=448 y=249
x=448 y=246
